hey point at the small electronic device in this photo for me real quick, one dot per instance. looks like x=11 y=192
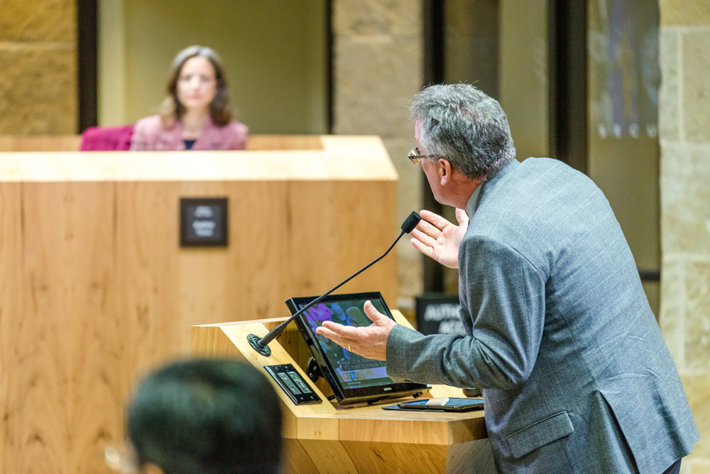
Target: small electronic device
x=353 y=378
x=292 y=383
x=472 y=392
x=443 y=404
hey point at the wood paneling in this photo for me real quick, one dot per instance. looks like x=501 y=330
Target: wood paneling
x=72 y=142
x=39 y=143
x=95 y=290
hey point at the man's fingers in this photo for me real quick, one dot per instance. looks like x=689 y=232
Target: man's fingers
x=332 y=335
x=423 y=237
x=435 y=219
x=461 y=217
x=372 y=312
x=334 y=328
x=336 y=332
x=423 y=248
x=427 y=228
x=380 y=320
x=369 y=342
x=325 y=328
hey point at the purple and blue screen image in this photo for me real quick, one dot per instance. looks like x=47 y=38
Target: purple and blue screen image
x=352 y=370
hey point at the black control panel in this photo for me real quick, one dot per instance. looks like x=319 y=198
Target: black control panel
x=292 y=383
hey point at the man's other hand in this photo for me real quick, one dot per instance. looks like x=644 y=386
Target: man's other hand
x=438 y=238
x=369 y=342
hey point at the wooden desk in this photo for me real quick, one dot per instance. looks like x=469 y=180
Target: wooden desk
x=95 y=289
x=325 y=439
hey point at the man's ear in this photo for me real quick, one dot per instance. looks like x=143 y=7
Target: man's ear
x=444 y=171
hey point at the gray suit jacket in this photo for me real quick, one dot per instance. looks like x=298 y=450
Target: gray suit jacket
x=575 y=374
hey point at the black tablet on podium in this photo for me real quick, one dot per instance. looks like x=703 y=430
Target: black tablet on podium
x=353 y=378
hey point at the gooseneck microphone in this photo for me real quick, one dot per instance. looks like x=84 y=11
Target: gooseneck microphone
x=261 y=344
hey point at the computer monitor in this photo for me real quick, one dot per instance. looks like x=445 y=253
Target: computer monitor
x=353 y=378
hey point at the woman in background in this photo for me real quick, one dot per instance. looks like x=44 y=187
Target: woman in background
x=195 y=115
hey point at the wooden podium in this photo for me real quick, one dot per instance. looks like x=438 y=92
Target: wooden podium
x=95 y=288
x=322 y=438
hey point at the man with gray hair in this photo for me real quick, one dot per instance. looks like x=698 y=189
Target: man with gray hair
x=559 y=335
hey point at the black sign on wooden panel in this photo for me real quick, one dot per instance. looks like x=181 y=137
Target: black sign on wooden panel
x=203 y=222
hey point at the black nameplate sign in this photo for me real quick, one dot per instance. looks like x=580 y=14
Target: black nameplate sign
x=203 y=222
x=438 y=313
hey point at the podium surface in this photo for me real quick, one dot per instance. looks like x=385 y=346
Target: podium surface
x=325 y=438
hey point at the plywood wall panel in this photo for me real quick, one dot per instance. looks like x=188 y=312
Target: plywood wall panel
x=366 y=235
x=61 y=379
x=11 y=320
x=312 y=237
x=257 y=265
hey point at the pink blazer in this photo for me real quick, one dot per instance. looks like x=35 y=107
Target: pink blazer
x=149 y=134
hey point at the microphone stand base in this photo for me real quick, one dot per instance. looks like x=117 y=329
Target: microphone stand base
x=254 y=343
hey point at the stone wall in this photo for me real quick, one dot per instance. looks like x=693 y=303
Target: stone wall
x=684 y=120
x=38 y=67
x=377 y=64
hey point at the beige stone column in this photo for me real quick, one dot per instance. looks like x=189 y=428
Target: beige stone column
x=38 y=67
x=377 y=64
x=684 y=119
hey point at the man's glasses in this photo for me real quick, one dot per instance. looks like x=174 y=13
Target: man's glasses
x=415 y=155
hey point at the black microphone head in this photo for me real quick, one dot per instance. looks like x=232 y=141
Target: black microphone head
x=411 y=222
